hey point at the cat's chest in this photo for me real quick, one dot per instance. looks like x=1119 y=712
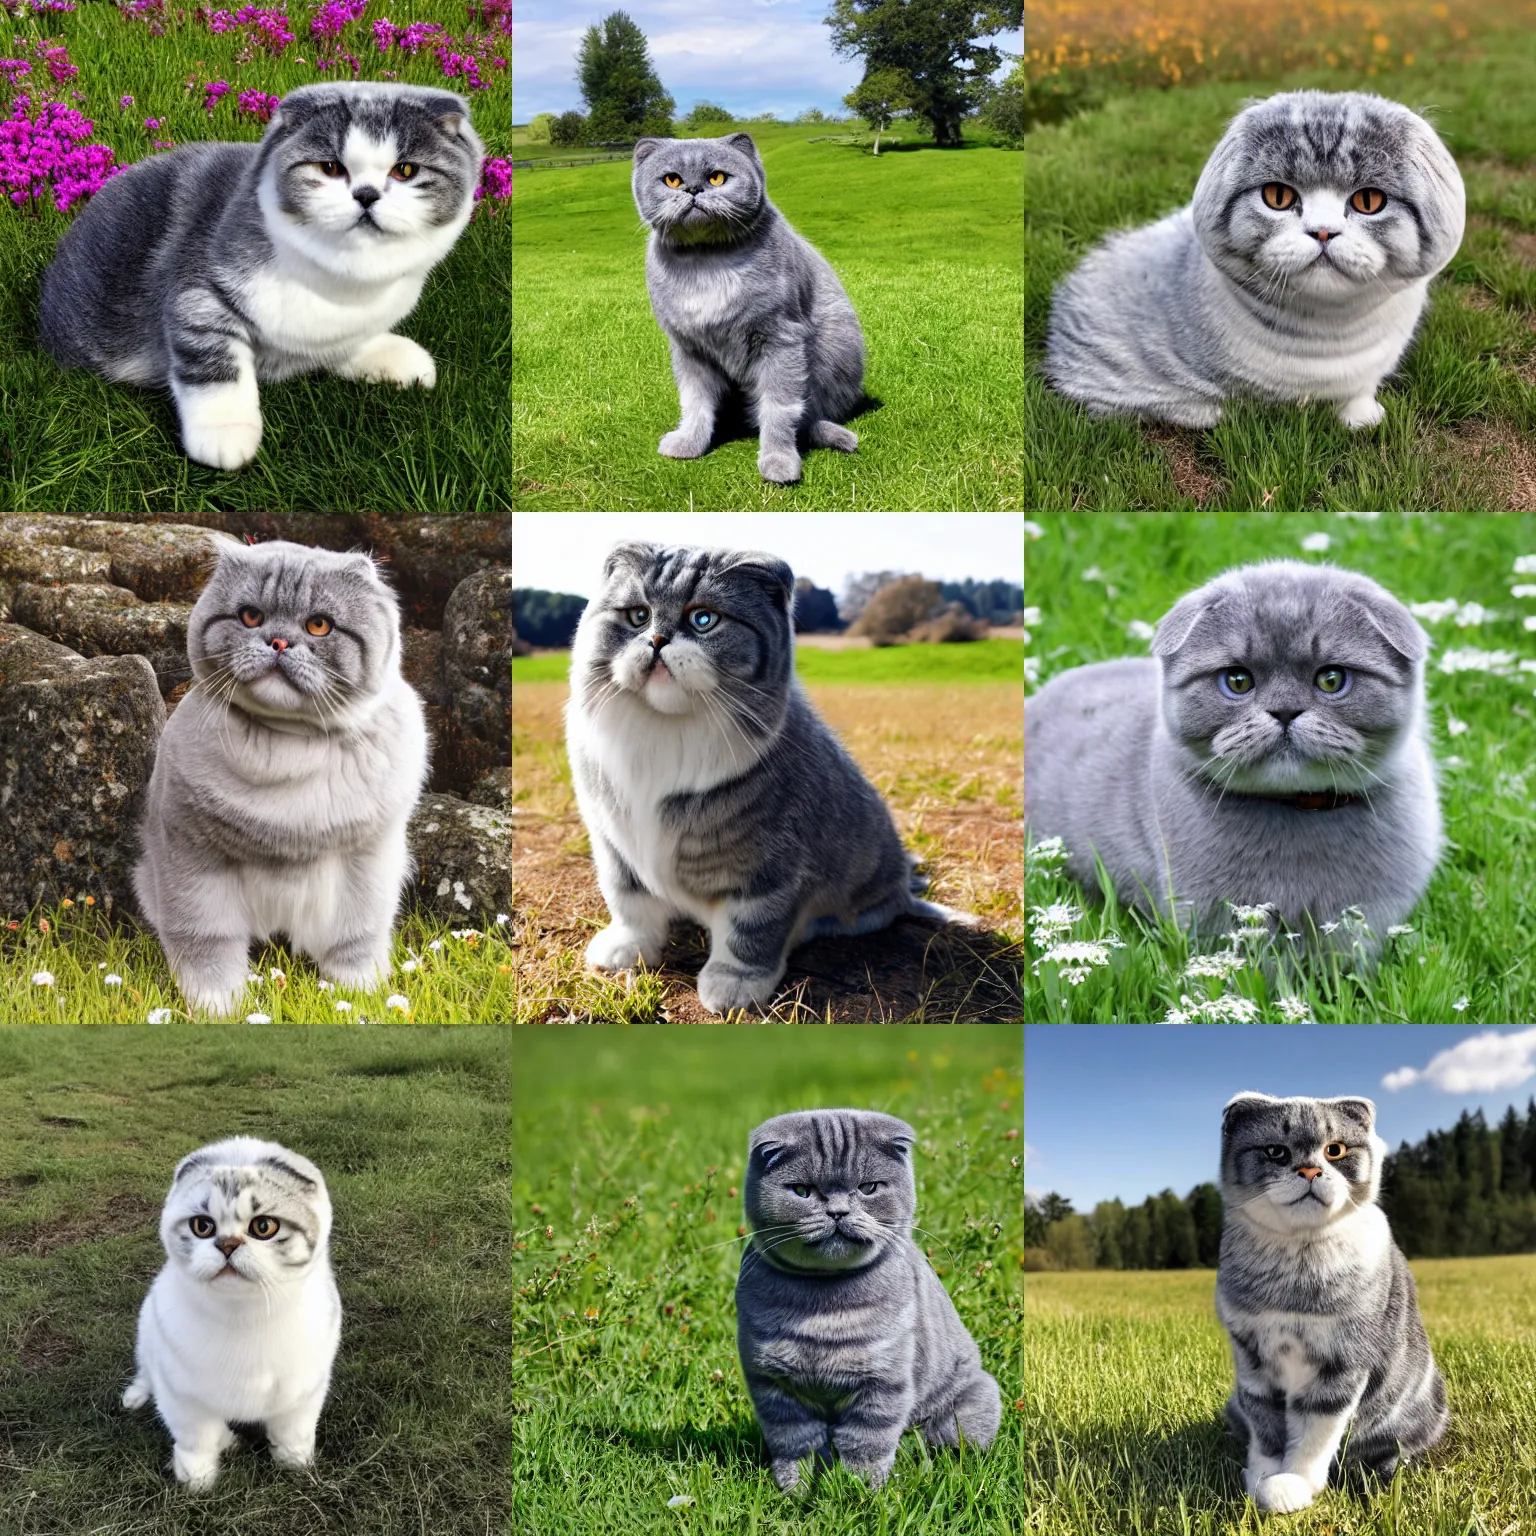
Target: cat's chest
x=298 y=320
x=704 y=299
x=1292 y=1348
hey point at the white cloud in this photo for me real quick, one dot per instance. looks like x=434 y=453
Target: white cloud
x=1483 y=1064
x=1030 y=1152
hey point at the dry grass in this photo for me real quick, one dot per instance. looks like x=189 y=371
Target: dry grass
x=946 y=758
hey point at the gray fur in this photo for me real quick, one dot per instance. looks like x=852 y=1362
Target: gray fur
x=285 y=777
x=213 y=266
x=1182 y=789
x=709 y=786
x=847 y=1337
x=1231 y=297
x=747 y=304
x=1317 y=1300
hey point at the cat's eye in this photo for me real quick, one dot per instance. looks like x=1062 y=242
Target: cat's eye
x=318 y=624
x=803 y=1190
x=717 y=178
x=703 y=620
x=263 y=1228
x=672 y=179
x=1277 y=1153
x=202 y=1226
x=1335 y=1150
x=251 y=617
x=639 y=617
x=1235 y=682
x=404 y=171
x=1332 y=680
x=1368 y=200
x=1278 y=196
x=330 y=167
x=870 y=1188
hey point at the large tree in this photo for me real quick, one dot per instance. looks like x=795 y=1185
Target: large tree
x=935 y=44
x=625 y=98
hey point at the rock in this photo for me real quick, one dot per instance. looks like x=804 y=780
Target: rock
x=477 y=660
x=77 y=743
x=494 y=790
x=420 y=655
x=463 y=855
x=158 y=562
x=98 y=620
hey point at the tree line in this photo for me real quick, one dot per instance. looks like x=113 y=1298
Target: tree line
x=1462 y=1193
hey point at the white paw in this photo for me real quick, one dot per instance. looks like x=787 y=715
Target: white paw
x=221 y=436
x=218 y=1002
x=681 y=445
x=391 y=359
x=618 y=948
x=722 y=989
x=1285 y=1493
x=365 y=976
x=782 y=466
x=1367 y=411
x=137 y=1394
x=298 y=1454
x=197 y=1470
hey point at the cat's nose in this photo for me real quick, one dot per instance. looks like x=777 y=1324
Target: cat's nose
x=278 y=643
x=367 y=196
x=1322 y=236
x=657 y=641
x=1309 y=1173
x=1284 y=716
x=227 y=1245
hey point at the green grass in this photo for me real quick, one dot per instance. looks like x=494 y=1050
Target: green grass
x=977 y=661
x=464 y=980
x=70 y=441
x=1472 y=944
x=1128 y=1373
x=410 y=1130
x=1462 y=410
x=926 y=241
x=626 y=1383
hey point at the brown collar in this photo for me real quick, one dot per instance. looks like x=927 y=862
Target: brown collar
x=1306 y=800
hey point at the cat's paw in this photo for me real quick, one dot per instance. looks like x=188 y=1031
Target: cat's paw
x=1367 y=411
x=220 y=434
x=682 y=445
x=874 y=1473
x=828 y=434
x=1284 y=1493
x=391 y=359
x=786 y=1474
x=209 y=997
x=619 y=948
x=138 y=1393
x=723 y=987
x=781 y=465
x=293 y=1453
x=198 y=1470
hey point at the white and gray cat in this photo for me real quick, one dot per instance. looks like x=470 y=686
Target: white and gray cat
x=1299 y=272
x=751 y=308
x=218 y=265
x=1318 y=1301
x=285 y=778
x=709 y=786
x=847 y=1337
x=243 y=1323
x=1275 y=748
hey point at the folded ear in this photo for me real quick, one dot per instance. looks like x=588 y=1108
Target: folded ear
x=1175 y=626
x=769 y=1153
x=1393 y=623
x=635 y=553
x=1362 y=1111
x=745 y=143
x=645 y=148
x=1241 y=1105
x=773 y=573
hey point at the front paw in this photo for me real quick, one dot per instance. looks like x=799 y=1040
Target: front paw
x=787 y=1475
x=293 y=1453
x=1284 y=1493
x=781 y=465
x=198 y=1470
x=827 y=434
x=723 y=987
x=209 y=438
x=392 y=359
x=1367 y=411
x=619 y=948
x=682 y=445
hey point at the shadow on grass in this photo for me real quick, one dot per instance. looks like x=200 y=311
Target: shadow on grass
x=736 y=1447
x=732 y=423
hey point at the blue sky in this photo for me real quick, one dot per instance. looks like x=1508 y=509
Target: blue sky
x=1128 y=1110
x=748 y=55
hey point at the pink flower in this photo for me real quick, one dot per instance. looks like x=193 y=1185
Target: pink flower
x=125 y=101
x=271 y=26
x=50 y=152
x=333 y=16
x=260 y=105
x=14 y=69
x=495 y=180
x=212 y=94
x=152 y=123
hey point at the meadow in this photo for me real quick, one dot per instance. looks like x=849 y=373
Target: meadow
x=1126 y=1375
x=147 y=78
x=926 y=241
x=410 y=1130
x=630 y=1412
x=943 y=748
x=1127 y=102
x=1093 y=589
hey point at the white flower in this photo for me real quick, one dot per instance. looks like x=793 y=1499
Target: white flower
x=1453 y=726
x=1227 y=1009
x=1330 y=927
x=1078 y=958
x=1031 y=671
x=395 y=1000
x=1434 y=613
x=1139 y=629
x=1454 y=762
x=1460 y=1005
x=113 y=980
x=1293 y=1010
x=1047 y=852
x=1470 y=614
x=681 y=1501
x=1031 y=616
x=1253 y=916
x=1530 y=621
x=343 y=1006
x=1525 y=565
x=277 y=975
x=160 y=1015
x=1525 y=589
x=252 y=977
x=435 y=944
x=1220 y=966
x=409 y=965
x=1033 y=530
x=1316 y=543
x=326 y=986
x=465 y=933
x=1397 y=930
x=1093 y=573
x=101 y=965
x=42 y=978
x=1528 y=665
x=1053 y=921
x=1471 y=659
x=502 y=919
x=258 y=1018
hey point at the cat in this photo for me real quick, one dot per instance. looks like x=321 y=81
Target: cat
x=709 y=786
x=847 y=1337
x=216 y=265
x=1299 y=272
x=1274 y=749
x=243 y=1322
x=1317 y=1300
x=747 y=304
x=285 y=778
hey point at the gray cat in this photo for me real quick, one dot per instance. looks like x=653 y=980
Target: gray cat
x=1317 y=1300
x=710 y=788
x=747 y=304
x=1275 y=750
x=220 y=264
x=847 y=1337
x=285 y=778
x=1299 y=272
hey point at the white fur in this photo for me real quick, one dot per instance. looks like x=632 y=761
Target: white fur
x=256 y=1346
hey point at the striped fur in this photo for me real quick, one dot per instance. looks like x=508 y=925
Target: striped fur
x=847 y=1337
x=1333 y=1365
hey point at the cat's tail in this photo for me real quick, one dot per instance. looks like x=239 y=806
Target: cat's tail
x=917 y=883
x=138 y=1392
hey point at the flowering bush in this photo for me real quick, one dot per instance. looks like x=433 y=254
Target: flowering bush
x=259 y=104
x=213 y=93
x=333 y=16
x=50 y=152
x=271 y=26
x=495 y=180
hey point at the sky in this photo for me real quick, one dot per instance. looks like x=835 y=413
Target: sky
x=750 y=56
x=1129 y=1110
x=564 y=551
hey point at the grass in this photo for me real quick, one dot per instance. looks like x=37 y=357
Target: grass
x=926 y=241
x=458 y=976
x=626 y=1385
x=410 y=1130
x=70 y=441
x=1469 y=960
x=946 y=759
x=1459 y=415
x=1128 y=1372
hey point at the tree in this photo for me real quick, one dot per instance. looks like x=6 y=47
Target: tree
x=1204 y=1202
x=815 y=608
x=811 y=115
x=568 y=128
x=538 y=129
x=624 y=96
x=705 y=112
x=860 y=589
x=546 y=618
x=878 y=97
x=897 y=608
x=1003 y=111
x=1070 y=1243
x=934 y=45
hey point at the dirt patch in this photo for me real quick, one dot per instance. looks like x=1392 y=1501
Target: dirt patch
x=119 y=1216
x=1508 y=456
x=1184 y=465
x=44 y=1349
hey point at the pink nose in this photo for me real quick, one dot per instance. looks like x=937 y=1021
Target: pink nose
x=1309 y=1173
x=279 y=645
x=227 y=1245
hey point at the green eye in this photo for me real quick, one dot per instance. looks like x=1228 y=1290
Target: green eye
x=1334 y=680
x=1236 y=681
x=638 y=617
x=803 y=1190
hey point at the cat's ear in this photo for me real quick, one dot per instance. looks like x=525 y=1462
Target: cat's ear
x=768 y=1153
x=1241 y=1105
x=1175 y=626
x=636 y=552
x=645 y=148
x=773 y=573
x=1393 y=623
x=1362 y=1111
x=746 y=144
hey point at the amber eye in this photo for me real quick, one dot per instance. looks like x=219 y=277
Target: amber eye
x=330 y=167
x=672 y=179
x=717 y=178
x=1278 y=196
x=263 y=1227
x=318 y=624
x=251 y=617
x=202 y=1226
x=1335 y=1150
x=1368 y=200
x=404 y=171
